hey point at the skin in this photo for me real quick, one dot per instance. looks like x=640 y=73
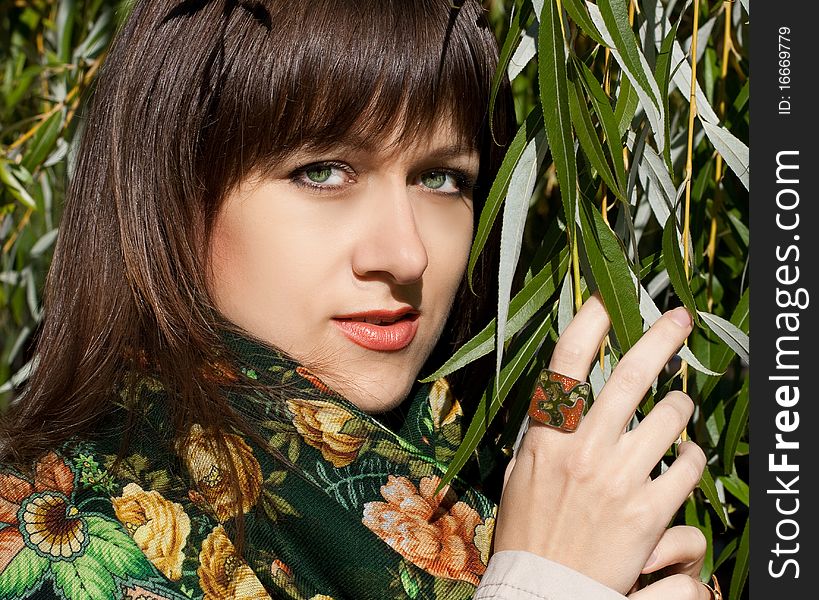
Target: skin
x=600 y=465
x=297 y=245
x=383 y=230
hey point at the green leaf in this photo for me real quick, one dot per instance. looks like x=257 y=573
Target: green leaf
x=522 y=307
x=709 y=488
x=626 y=105
x=579 y=13
x=699 y=517
x=726 y=553
x=612 y=275
x=527 y=131
x=674 y=266
x=605 y=114
x=734 y=151
x=21 y=574
x=515 y=210
x=43 y=141
x=83 y=579
x=509 y=44
x=587 y=134
x=740 y=573
x=14 y=187
x=554 y=102
x=729 y=333
x=611 y=18
x=409 y=581
x=486 y=410
x=736 y=425
x=722 y=355
x=64 y=26
x=662 y=72
x=114 y=549
x=737 y=487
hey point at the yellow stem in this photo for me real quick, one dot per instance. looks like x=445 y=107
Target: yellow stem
x=689 y=168
x=717 y=204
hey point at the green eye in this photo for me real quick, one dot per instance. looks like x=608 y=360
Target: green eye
x=434 y=180
x=319 y=174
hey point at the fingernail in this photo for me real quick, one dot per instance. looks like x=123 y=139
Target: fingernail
x=651 y=561
x=681 y=317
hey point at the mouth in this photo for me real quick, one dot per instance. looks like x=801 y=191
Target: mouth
x=380 y=330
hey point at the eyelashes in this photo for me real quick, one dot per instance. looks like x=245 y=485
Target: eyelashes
x=332 y=176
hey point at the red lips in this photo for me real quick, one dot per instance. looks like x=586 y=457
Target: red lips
x=380 y=330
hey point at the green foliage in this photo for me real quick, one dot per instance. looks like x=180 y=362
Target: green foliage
x=49 y=53
x=613 y=88
x=589 y=80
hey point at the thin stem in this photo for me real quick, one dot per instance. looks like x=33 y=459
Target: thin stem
x=689 y=168
x=717 y=204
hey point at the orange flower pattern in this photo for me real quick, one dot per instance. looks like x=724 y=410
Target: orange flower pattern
x=320 y=423
x=223 y=574
x=417 y=523
x=209 y=474
x=314 y=486
x=159 y=527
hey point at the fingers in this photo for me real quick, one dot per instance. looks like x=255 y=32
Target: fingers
x=682 y=548
x=672 y=487
x=673 y=587
x=575 y=350
x=635 y=372
x=661 y=428
x=579 y=344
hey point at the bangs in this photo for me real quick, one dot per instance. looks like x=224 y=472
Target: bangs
x=281 y=76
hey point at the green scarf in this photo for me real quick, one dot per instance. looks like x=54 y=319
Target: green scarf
x=336 y=505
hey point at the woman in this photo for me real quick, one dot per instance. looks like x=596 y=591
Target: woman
x=263 y=245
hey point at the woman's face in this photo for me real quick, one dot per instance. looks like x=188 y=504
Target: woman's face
x=349 y=259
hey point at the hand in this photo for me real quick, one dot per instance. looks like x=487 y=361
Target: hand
x=586 y=499
x=680 y=553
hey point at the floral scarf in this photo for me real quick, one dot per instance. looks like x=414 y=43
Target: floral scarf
x=336 y=505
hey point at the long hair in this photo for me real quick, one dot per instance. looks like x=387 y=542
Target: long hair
x=193 y=96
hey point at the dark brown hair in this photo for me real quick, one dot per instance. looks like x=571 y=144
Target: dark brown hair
x=193 y=96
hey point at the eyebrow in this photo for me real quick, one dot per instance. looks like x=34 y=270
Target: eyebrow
x=445 y=152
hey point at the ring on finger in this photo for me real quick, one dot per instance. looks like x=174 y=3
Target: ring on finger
x=559 y=401
x=716 y=592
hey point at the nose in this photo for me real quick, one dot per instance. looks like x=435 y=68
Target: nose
x=390 y=241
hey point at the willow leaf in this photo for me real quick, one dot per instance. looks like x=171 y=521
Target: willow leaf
x=723 y=354
x=587 y=134
x=509 y=44
x=605 y=115
x=662 y=72
x=611 y=18
x=650 y=313
x=612 y=274
x=14 y=187
x=526 y=50
x=729 y=333
x=681 y=71
x=736 y=487
x=735 y=152
x=709 y=488
x=580 y=15
x=515 y=210
x=674 y=265
x=522 y=307
x=526 y=132
x=626 y=105
x=740 y=573
x=43 y=141
x=728 y=551
x=661 y=193
x=554 y=99
x=486 y=410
